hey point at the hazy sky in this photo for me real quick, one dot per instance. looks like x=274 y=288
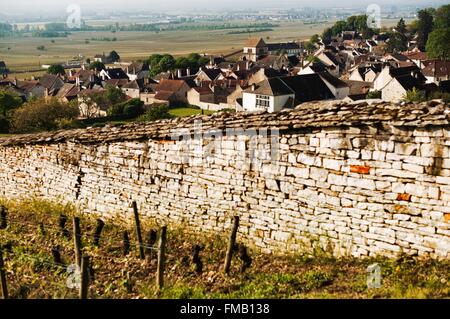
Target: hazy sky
x=54 y=6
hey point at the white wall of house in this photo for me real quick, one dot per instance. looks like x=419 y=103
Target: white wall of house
x=306 y=70
x=279 y=102
x=393 y=91
x=436 y=80
x=139 y=76
x=338 y=92
x=382 y=79
x=276 y=103
x=370 y=76
x=133 y=93
x=355 y=76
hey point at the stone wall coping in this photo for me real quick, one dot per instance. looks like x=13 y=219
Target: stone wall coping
x=307 y=115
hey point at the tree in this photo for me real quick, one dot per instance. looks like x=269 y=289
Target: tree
x=132 y=108
x=114 y=56
x=97 y=66
x=114 y=95
x=314 y=38
x=438 y=44
x=397 y=42
x=9 y=101
x=424 y=27
x=43 y=115
x=156 y=112
x=326 y=35
x=56 y=69
x=167 y=63
x=401 y=26
x=442 y=18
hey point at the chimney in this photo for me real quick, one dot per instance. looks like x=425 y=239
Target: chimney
x=77 y=81
x=188 y=71
x=179 y=73
x=15 y=81
x=83 y=67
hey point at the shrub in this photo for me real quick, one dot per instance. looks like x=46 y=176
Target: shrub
x=373 y=95
x=156 y=112
x=414 y=95
x=41 y=115
x=130 y=108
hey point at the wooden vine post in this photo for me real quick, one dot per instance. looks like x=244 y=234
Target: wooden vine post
x=84 y=288
x=137 y=224
x=3 y=283
x=77 y=240
x=161 y=258
x=231 y=244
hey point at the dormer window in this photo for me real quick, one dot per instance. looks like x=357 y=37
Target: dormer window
x=262 y=101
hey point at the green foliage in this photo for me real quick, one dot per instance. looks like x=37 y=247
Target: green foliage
x=397 y=42
x=442 y=17
x=327 y=34
x=97 y=65
x=163 y=63
x=444 y=96
x=49 y=34
x=41 y=115
x=56 y=69
x=114 y=56
x=156 y=112
x=424 y=27
x=401 y=26
x=353 y=23
x=314 y=38
x=9 y=101
x=373 y=95
x=438 y=44
x=312 y=59
x=114 y=95
x=414 y=95
x=131 y=108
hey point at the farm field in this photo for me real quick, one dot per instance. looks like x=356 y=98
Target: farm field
x=37 y=251
x=22 y=54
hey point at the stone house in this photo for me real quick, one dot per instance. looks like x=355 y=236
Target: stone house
x=436 y=71
x=113 y=73
x=254 y=49
x=137 y=70
x=173 y=92
x=271 y=95
x=275 y=94
x=389 y=72
x=397 y=87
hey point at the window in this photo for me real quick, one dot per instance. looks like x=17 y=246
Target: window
x=263 y=101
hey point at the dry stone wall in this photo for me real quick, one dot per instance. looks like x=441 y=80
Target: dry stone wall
x=361 y=179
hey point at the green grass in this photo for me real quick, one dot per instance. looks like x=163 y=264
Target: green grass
x=186 y=111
